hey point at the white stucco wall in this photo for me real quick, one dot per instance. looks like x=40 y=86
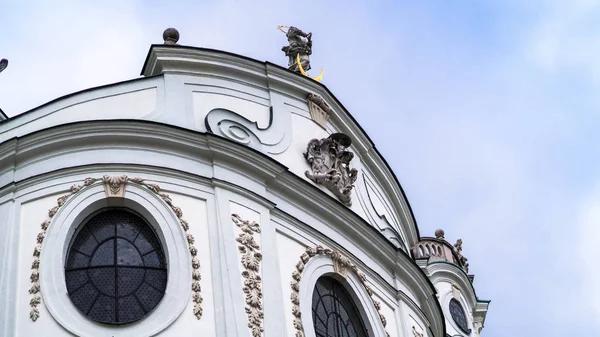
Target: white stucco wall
x=158 y=131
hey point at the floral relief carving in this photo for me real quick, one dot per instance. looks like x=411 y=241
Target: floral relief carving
x=343 y=266
x=251 y=259
x=330 y=165
x=113 y=185
x=35 y=289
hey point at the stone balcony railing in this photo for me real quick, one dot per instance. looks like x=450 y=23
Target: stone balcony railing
x=438 y=249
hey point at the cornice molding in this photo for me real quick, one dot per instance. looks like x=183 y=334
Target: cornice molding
x=451 y=273
x=212 y=150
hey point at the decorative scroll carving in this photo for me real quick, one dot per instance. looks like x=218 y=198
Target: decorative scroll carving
x=251 y=258
x=416 y=333
x=330 y=165
x=461 y=259
x=338 y=259
x=115 y=185
x=275 y=138
x=319 y=109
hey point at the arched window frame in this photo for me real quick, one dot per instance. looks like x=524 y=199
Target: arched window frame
x=322 y=265
x=56 y=244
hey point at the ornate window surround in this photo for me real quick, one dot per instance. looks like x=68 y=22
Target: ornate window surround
x=323 y=265
x=56 y=243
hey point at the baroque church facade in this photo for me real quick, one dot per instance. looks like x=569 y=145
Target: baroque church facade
x=215 y=196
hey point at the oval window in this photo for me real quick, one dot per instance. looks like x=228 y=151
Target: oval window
x=459 y=316
x=334 y=312
x=116 y=271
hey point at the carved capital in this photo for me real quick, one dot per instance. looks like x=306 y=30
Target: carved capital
x=329 y=161
x=114 y=186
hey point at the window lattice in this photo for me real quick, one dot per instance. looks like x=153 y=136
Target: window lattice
x=334 y=313
x=458 y=315
x=116 y=271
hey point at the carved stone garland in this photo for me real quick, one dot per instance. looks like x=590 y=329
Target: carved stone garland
x=341 y=265
x=251 y=258
x=114 y=186
x=330 y=165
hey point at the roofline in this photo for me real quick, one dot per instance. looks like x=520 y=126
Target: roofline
x=3 y=116
x=366 y=135
x=77 y=93
x=387 y=165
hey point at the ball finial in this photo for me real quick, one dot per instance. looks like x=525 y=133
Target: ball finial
x=171 y=36
x=439 y=234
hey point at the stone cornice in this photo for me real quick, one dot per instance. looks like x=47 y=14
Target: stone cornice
x=449 y=272
x=206 y=149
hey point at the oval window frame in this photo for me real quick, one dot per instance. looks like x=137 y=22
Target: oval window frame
x=55 y=249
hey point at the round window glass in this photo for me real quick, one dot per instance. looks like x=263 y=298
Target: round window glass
x=334 y=312
x=116 y=271
x=458 y=315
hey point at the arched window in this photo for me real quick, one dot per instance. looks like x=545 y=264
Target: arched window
x=334 y=312
x=116 y=271
x=458 y=315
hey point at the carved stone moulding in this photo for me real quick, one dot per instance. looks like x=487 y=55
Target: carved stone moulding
x=319 y=109
x=342 y=265
x=251 y=259
x=114 y=187
x=329 y=161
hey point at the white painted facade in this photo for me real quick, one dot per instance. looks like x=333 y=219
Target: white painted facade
x=164 y=129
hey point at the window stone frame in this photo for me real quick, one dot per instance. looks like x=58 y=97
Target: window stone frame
x=323 y=265
x=56 y=244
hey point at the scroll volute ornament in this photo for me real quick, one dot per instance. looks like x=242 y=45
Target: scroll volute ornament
x=330 y=165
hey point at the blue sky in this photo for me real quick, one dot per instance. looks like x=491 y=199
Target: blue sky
x=486 y=110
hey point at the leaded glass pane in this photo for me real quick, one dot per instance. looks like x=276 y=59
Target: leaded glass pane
x=116 y=270
x=334 y=312
x=458 y=315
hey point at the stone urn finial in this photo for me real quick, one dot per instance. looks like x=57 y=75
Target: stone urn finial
x=439 y=234
x=171 y=36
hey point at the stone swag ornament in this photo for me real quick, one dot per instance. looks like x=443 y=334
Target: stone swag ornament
x=330 y=165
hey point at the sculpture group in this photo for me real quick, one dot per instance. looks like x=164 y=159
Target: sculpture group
x=330 y=165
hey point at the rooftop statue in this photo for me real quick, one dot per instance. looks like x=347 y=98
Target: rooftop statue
x=298 y=50
x=3 y=64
